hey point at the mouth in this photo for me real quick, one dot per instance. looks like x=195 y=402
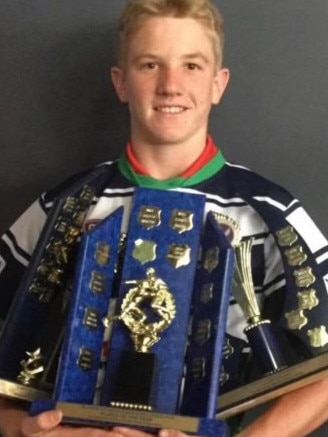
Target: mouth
x=170 y=109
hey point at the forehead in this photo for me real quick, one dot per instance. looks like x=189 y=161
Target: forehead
x=170 y=35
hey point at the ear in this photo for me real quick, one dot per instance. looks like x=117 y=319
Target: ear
x=220 y=83
x=118 y=79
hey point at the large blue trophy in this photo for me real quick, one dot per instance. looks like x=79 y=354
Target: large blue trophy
x=137 y=338
x=161 y=371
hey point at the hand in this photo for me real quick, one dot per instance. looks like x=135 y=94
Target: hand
x=128 y=432
x=47 y=424
x=15 y=422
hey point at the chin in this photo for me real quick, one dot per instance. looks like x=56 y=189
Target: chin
x=169 y=138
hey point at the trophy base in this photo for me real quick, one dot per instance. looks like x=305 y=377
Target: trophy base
x=14 y=390
x=104 y=417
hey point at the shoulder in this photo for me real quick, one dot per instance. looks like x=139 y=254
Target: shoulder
x=250 y=184
x=106 y=170
x=26 y=230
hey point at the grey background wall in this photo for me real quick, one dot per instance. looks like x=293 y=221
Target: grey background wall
x=58 y=112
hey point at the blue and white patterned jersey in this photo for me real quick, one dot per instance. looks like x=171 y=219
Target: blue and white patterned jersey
x=232 y=190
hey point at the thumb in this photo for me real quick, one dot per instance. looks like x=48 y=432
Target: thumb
x=36 y=426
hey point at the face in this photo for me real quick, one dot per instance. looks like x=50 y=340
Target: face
x=170 y=80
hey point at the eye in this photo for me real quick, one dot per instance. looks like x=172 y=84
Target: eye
x=146 y=65
x=150 y=65
x=193 y=66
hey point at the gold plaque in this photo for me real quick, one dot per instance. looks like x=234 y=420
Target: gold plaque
x=198 y=368
x=97 y=282
x=286 y=236
x=211 y=259
x=178 y=255
x=181 y=221
x=307 y=299
x=51 y=273
x=228 y=349
x=91 y=318
x=85 y=359
x=79 y=216
x=70 y=205
x=144 y=250
x=296 y=319
x=102 y=253
x=87 y=194
x=203 y=331
x=55 y=276
x=62 y=225
x=149 y=216
x=304 y=277
x=59 y=251
x=318 y=336
x=206 y=294
x=295 y=256
x=132 y=418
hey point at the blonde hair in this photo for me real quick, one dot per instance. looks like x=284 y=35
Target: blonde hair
x=138 y=11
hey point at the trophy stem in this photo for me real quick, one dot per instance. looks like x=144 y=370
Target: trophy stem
x=265 y=346
x=135 y=380
x=259 y=331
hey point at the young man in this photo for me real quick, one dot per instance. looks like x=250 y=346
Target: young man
x=170 y=74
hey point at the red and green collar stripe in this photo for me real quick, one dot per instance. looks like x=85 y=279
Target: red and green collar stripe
x=208 y=170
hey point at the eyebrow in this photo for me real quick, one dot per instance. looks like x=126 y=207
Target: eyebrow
x=187 y=57
x=196 y=55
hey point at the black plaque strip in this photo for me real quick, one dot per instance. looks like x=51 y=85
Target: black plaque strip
x=45 y=278
x=210 y=303
x=135 y=378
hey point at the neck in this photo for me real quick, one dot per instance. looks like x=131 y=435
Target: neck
x=167 y=161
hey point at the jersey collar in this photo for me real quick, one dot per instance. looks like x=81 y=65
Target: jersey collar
x=208 y=163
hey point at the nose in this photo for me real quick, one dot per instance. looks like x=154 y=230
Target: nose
x=169 y=82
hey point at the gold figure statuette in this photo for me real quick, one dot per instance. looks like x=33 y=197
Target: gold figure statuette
x=32 y=368
x=149 y=295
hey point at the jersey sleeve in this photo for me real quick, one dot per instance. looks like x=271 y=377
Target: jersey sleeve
x=16 y=247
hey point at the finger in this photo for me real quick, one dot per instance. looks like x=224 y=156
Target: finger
x=129 y=432
x=81 y=432
x=38 y=425
x=171 y=433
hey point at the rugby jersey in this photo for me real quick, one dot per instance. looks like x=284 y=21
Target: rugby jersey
x=230 y=189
